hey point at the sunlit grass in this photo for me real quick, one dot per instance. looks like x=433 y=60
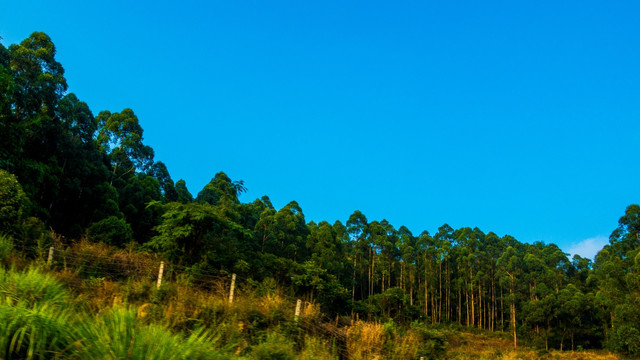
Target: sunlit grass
x=118 y=335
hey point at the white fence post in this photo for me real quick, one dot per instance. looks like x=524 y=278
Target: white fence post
x=160 y=274
x=50 y=258
x=297 y=315
x=233 y=287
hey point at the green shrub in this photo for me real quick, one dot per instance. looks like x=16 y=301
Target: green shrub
x=112 y=230
x=33 y=331
x=625 y=339
x=274 y=347
x=118 y=335
x=12 y=203
x=432 y=341
x=31 y=287
x=6 y=246
x=35 y=318
x=317 y=349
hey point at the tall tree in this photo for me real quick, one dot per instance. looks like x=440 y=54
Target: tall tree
x=120 y=136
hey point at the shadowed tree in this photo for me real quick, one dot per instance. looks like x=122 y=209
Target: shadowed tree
x=12 y=203
x=161 y=173
x=182 y=193
x=120 y=136
x=220 y=188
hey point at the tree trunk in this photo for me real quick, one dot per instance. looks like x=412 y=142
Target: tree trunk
x=440 y=291
x=513 y=313
x=353 y=284
x=473 y=310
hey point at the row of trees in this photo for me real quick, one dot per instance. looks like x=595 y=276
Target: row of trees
x=86 y=175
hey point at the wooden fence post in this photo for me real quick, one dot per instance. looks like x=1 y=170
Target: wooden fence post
x=160 y=274
x=297 y=315
x=233 y=287
x=50 y=258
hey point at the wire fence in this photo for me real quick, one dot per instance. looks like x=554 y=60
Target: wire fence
x=90 y=265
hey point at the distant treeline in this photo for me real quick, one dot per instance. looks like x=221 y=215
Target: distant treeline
x=65 y=169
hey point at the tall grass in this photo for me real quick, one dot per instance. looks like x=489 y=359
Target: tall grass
x=34 y=331
x=31 y=287
x=6 y=246
x=34 y=315
x=118 y=335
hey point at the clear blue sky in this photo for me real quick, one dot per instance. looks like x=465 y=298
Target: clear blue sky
x=518 y=117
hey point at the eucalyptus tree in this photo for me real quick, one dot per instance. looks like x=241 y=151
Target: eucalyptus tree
x=358 y=244
x=377 y=235
x=182 y=193
x=12 y=204
x=221 y=188
x=265 y=230
x=468 y=243
x=31 y=130
x=494 y=248
x=120 y=136
x=83 y=171
x=326 y=247
x=426 y=253
x=408 y=255
x=510 y=265
x=617 y=275
x=291 y=232
x=160 y=172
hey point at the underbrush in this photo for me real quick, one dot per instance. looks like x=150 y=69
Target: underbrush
x=98 y=302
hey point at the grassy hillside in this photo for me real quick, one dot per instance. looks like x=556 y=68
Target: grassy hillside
x=97 y=302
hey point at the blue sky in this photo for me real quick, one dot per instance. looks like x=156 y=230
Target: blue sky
x=517 y=117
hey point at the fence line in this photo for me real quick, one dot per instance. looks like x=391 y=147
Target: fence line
x=158 y=271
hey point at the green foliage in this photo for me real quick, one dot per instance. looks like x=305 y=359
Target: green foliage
x=33 y=331
x=160 y=172
x=182 y=193
x=112 y=230
x=118 y=335
x=34 y=320
x=12 y=203
x=120 y=136
x=221 y=189
x=31 y=287
x=185 y=231
x=274 y=347
x=432 y=342
x=625 y=339
x=6 y=246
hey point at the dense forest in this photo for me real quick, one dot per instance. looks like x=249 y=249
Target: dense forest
x=86 y=176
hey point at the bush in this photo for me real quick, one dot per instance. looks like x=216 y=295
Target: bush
x=35 y=321
x=33 y=331
x=6 y=246
x=12 y=203
x=112 y=230
x=625 y=339
x=432 y=342
x=31 y=287
x=274 y=347
x=117 y=335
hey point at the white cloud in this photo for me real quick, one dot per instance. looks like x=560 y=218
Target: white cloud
x=588 y=248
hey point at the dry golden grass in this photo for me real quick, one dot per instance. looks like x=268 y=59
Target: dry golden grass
x=311 y=311
x=405 y=346
x=316 y=349
x=475 y=346
x=365 y=340
x=108 y=260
